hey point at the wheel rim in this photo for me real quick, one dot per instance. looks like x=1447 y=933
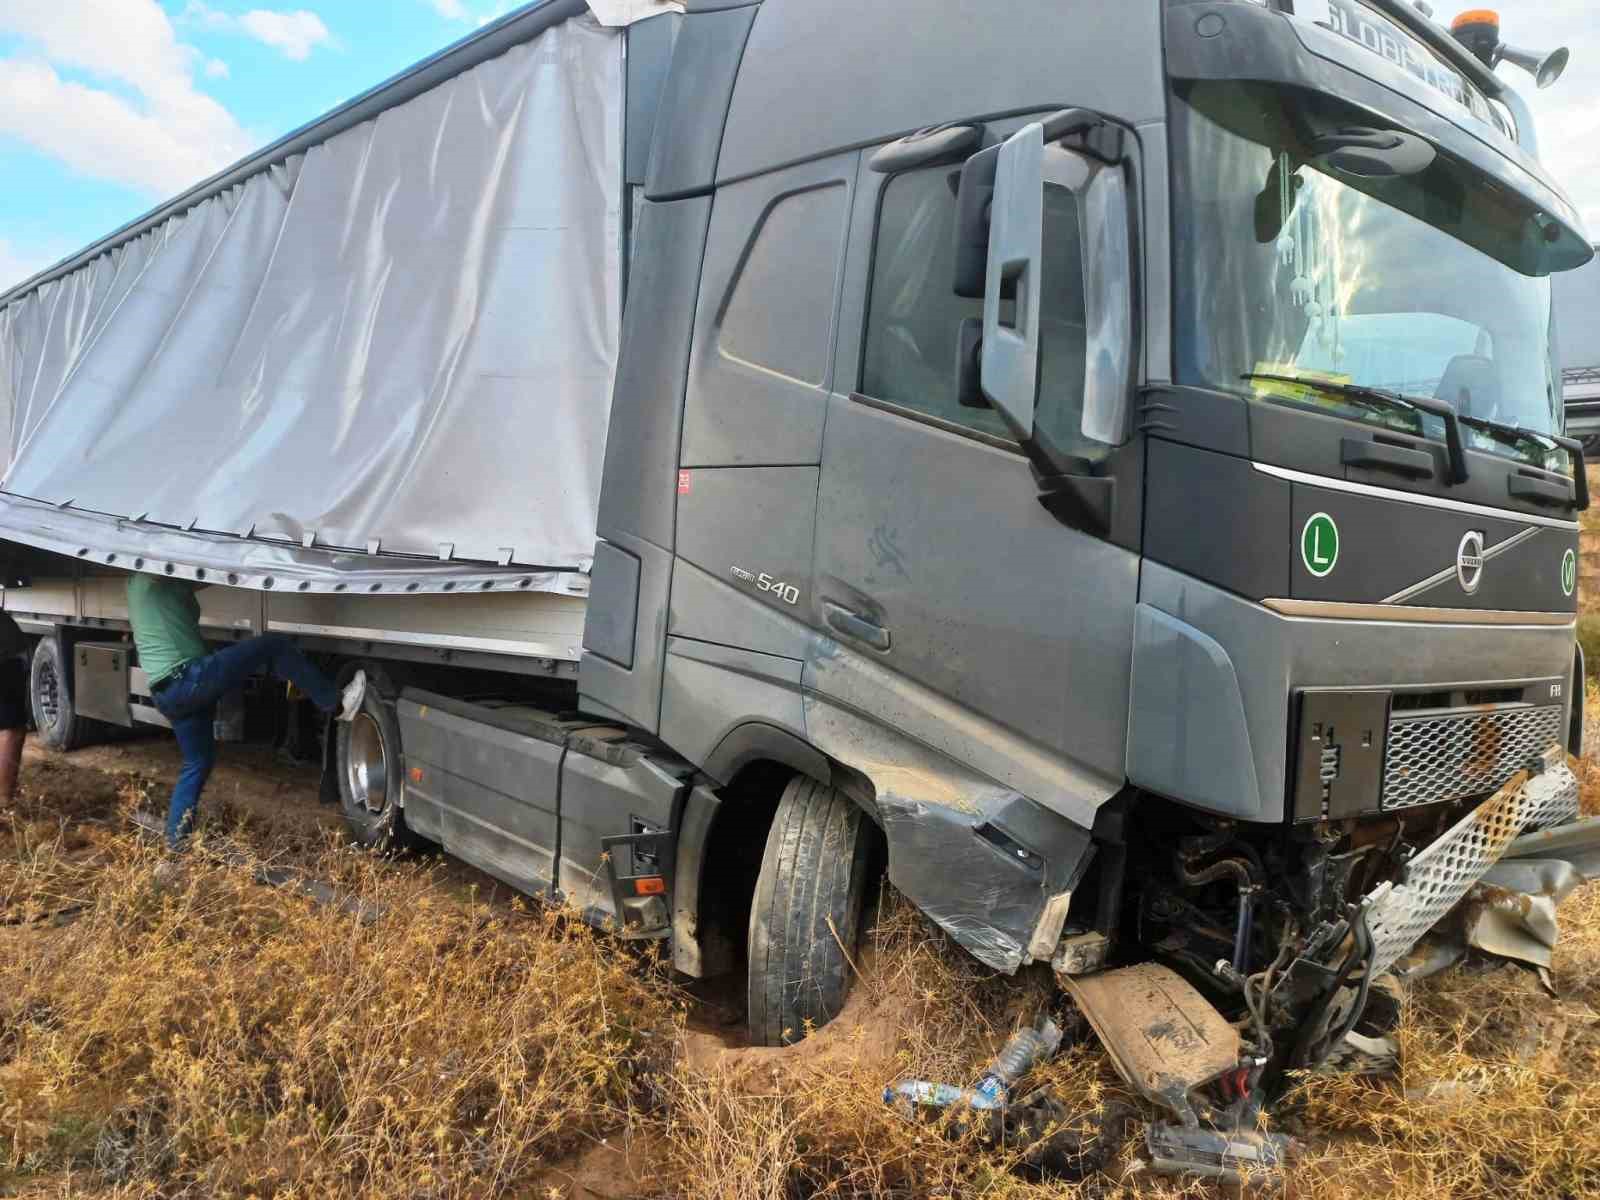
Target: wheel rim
x=49 y=693
x=367 y=765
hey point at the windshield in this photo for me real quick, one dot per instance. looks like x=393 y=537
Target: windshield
x=1284 y=270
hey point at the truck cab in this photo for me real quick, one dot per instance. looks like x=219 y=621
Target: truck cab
x=1141 y=456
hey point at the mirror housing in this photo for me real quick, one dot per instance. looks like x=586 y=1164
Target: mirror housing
x=1010 y=353
x=1001 y=217
x=928 y=147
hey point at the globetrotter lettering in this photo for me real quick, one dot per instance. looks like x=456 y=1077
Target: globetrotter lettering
x=1360 y=24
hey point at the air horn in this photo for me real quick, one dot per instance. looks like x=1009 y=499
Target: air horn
x=1479 y=32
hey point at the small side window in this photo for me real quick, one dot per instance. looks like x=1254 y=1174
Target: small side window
x=914 y=316
x=779 y=313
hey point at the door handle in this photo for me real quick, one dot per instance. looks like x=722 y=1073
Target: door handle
x=1380 y=456
x=854 y=625
x=1540 y=491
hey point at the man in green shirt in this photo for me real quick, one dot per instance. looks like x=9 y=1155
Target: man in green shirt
x=186 y=680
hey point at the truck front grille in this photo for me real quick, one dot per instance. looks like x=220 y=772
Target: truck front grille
x=1450 y=756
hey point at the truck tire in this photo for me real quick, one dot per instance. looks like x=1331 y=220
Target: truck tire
x=371 y=774
x=59 y=726
x=815 y=870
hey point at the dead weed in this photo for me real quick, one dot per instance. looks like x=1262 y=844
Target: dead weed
x=213 y=1037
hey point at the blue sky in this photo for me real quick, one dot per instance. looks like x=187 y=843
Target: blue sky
x=108 y=107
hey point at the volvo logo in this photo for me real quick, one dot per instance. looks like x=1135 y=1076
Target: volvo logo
x=1469 y=561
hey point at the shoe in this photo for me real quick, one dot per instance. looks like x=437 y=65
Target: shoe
x=168 y=874
x=354 y=693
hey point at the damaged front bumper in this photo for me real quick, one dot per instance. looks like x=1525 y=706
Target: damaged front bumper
x=1169 y=1042
x=1439 y=877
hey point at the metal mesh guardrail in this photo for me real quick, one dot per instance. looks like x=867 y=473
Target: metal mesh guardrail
x=1438 y=877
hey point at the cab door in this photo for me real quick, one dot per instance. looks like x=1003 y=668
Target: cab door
x=961 y=610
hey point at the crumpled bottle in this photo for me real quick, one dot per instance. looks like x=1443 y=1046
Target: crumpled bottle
x=1023 y=1051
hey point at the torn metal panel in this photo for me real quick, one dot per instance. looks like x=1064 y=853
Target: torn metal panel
x=1357 y=1054
x=1241 y=1157
x=847 y=688
x=989 y=866
x=977 y=877
x=1511 y=911
x=1577 y=843
x=386 y=347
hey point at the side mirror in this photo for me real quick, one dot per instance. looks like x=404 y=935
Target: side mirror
x=1010 y=354
x=974 y=196
x=969 y=364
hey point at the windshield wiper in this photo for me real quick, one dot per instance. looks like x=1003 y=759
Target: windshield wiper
x=1508 y=433
x=1516 y=435
x=1379 y=400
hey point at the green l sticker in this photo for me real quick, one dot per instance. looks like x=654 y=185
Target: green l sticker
x=1319 y=545
x=1569 y=572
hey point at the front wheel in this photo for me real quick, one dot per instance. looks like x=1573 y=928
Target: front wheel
x=371 y=775
x=807 y=912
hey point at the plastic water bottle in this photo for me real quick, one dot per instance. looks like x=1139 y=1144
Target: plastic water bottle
x=912 y=1094
x=1025 y=1049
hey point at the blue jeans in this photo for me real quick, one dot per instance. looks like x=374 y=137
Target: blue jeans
x=189 y=700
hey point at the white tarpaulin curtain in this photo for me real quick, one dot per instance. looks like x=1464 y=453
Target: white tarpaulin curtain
x=404 y=337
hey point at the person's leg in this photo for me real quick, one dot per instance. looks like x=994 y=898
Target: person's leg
x=13 y=724
x=198 y=744
x=10 y=762
x=227 y=669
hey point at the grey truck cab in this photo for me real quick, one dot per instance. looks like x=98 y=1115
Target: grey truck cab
x=1101 y=462
x=1113 y=451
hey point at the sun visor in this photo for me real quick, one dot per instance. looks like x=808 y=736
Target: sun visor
x=1298 y=75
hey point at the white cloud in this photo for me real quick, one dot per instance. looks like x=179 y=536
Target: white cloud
x=217 y=69
x=450 y=10
x=167 y=135
x=294 y=34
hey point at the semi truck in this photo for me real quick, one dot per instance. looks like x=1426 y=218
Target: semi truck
x=1100 y=464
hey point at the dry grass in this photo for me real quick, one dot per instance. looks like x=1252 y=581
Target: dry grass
x=216 y=1037
x=1498 y=1092
x=220 y=1038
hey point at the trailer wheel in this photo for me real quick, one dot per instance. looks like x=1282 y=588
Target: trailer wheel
x=371 y=776
x=806 y=912
x=59 y=726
